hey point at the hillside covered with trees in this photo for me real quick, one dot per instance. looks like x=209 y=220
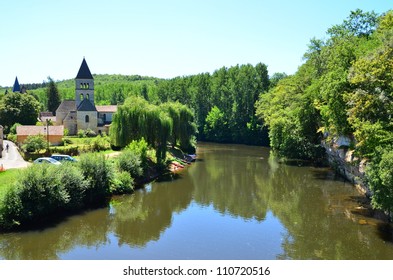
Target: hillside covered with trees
x=344 y=88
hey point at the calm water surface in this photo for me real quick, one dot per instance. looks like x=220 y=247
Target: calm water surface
x=235 y=202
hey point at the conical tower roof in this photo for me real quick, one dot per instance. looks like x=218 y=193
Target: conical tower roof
x=84 y=71
x=16 y=87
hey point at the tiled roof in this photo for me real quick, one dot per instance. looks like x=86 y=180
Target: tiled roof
x=46 y=114
x=37 y=130
x=106 y=108
x=67 y=105
x=84 y=71
x=71 y=116
x=52 y=119
x=86 y=105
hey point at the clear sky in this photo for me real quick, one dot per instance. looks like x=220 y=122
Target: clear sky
x=163 y=39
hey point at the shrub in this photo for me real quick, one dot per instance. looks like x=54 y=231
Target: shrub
x=380 y=179
x=81 y=133
x=66 y=140
x=34 y=143
x=122 y=183
x=130 y=162
x=100 y=143
x=90 y=133
x=98 y=172
x=12 y=137
x=74 y=183
x=139 y=148
x=36 y=197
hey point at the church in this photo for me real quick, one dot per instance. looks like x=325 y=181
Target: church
x=82 y=113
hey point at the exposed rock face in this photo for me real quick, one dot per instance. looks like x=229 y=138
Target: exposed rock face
x=347 y=164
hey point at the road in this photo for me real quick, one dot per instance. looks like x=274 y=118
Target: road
x=12 y=158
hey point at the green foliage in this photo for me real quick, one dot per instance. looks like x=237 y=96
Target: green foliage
x=34 y=143
x=216 y=126
x=140 y=149
x=52 y=95
x=130 y=162
x=18 y=108
x=380 y=179
x=13 y=128
x=40 y=194
x=98 y=172
x=233 y=90
x=100 y=143
x=138 y=119
x=122 y=183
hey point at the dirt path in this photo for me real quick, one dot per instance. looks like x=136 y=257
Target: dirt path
x=12 y=157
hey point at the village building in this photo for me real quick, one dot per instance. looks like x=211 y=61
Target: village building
x=82 y=113
x=52 y=133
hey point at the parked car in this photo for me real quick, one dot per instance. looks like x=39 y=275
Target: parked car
x=63 y=158
x=47 y=160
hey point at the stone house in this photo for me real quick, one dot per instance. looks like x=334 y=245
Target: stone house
x=82 y=113
x=52 y=133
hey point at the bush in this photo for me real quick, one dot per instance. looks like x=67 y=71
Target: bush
x=12 y=137
x=100 y=143
x=34 y=143
x=81 y=133
x=379 y=176
x=99 y=173
x=67 y=150
x=122 y=183
x=36 y=197
x=130 y=162
x=90 y=133
x=139 y=148
x=66 y=140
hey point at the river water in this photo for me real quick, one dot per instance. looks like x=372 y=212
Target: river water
x=234 y=202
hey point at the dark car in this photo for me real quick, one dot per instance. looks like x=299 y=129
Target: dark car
x=63 y=158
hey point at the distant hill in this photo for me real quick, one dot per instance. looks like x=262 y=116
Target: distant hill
x=109 y=89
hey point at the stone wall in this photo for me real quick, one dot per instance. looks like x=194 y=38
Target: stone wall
x=91 y=124
x=342 y=159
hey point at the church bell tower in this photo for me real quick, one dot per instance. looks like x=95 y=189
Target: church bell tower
x=84 y=85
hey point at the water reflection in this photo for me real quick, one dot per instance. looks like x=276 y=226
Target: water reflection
x=235 y=202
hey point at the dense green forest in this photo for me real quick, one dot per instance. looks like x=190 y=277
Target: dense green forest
x=344 y=88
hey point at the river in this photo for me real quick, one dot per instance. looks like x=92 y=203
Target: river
x=234 y=202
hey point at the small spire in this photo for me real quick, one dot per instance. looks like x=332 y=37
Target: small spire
x=16 y=87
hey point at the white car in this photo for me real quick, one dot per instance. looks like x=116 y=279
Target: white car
x=47 y=160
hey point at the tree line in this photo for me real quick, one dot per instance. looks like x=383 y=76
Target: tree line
x=344 y=88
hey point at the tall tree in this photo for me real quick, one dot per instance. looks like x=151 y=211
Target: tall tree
x=18 y=108
x=53 y=96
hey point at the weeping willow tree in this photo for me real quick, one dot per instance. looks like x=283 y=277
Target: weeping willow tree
x=158 y=125
x=183 y=125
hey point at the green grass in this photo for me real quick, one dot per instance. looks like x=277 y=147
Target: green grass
x=7 y=179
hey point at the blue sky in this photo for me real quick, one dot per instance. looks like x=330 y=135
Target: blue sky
x=163 y=39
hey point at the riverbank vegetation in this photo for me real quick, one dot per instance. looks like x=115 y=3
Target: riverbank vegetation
x=44 y=193
x=344 y=89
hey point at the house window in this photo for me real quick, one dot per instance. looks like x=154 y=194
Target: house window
x=82 y=96
x=104 y=117
x=87 y=85
x=87 y=96
x=87 y=118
